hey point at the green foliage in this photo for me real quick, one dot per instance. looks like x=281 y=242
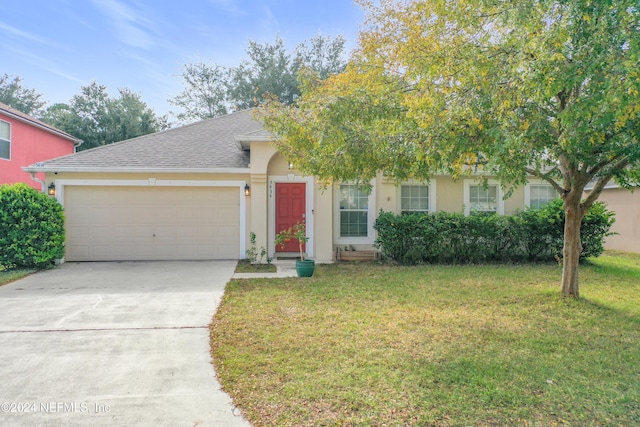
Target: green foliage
x=252 y=253
x=205 y=92
x=298 y=231
x=530 y=235
x=99 y=119
x=31 y=227
x=22 y=99
x=595 y=226
x=543 y=88
x=543 y=231
x=270 y=71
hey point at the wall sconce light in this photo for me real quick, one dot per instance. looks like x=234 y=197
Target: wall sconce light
x=247 y=190
x=51 y=190
x=290 y=166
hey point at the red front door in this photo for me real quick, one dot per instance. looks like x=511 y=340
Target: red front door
x=291 y=204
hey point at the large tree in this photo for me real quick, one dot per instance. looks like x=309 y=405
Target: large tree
x=270 y=70
x=205 y=93
x=14 y=94
x=99 y=119
x=323 y=55
x=512 y=89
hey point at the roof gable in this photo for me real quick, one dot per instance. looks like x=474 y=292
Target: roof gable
x=205 y=145
x=25 y=118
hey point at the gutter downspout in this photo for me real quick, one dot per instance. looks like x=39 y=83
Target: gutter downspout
x=43 y=185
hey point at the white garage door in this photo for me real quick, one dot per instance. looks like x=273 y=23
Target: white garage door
x=151 y=223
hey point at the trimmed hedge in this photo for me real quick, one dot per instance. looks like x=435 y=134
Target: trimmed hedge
x=530 y=235
x=31 y=227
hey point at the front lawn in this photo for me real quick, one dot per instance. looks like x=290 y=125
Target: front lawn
x=8 y=276
x=374 y=345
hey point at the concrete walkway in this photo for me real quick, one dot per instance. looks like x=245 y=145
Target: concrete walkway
x=113 y=344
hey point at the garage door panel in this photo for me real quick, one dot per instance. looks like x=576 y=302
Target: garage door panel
x=77 y=232
x=99 y=252
x=77 y=252
x=225 y=235
x=141 y=214
x=186 y=252
x=167 y=215
x=208 y=234
x=186 y=214
x=165 y=232
x=186 y=234
x=158 y=223
x=225 y=211
x=100 y=215
x=101 y=234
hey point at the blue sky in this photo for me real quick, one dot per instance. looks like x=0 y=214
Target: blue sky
x=57 y=46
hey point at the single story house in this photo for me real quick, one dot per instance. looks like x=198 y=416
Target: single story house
x=198 y=191
x=25 y=140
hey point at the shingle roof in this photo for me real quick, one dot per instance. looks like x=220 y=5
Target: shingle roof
x=19 y=115
x=209 y=144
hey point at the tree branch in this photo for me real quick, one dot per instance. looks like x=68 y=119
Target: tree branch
x=563 y=164
x=600 y=184
x=598 y=167
x=545 y=177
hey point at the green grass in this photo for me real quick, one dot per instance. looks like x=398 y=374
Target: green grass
x=379 y=345
x=8 y=276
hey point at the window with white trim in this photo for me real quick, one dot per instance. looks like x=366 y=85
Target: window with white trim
x=354 y=211
x=5 y=140
x=541 y=195
x=414 y=198
x=482 y=199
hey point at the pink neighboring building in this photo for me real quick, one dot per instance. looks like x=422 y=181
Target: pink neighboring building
x=24 y=141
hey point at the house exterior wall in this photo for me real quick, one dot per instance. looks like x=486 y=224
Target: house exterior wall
x=265 y=161
x=515 y=202
x=449 y=194
x=449 y=197
x=30 y=144
x=269 y=167
x=626 y=205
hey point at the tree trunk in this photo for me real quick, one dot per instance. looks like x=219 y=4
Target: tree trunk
x=572 y=247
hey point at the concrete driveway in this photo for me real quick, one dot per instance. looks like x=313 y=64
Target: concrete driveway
x=113 y=344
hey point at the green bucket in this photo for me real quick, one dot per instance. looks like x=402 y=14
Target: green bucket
x=305 y=268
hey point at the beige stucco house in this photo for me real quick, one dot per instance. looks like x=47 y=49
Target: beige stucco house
x=198 y=191
x=626 y=205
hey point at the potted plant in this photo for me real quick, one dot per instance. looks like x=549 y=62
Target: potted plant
x=304 y=267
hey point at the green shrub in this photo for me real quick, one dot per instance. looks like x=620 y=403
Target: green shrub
x=596 y=225
x=31 y=227
x=543 y=232
x=530 y=235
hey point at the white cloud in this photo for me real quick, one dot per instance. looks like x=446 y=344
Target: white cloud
x=16 y=33
x=229 y=6
x=45 y=65
x=268 y=21
x=131 y=28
